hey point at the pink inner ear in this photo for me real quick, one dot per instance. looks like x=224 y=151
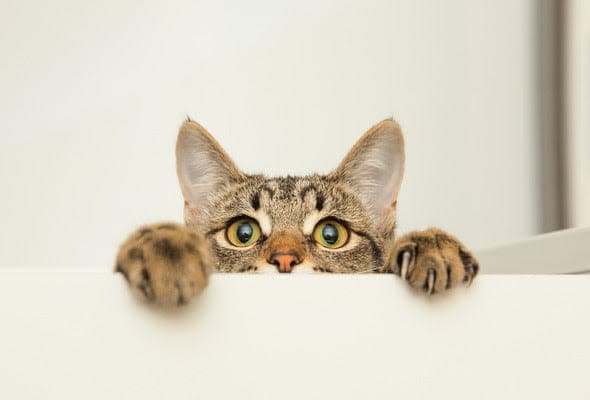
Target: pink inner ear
x=202 y=167
x=389 y=196
x=379 y=174
x=374 y=168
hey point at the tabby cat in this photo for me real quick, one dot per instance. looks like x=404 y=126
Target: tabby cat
x=343 y=222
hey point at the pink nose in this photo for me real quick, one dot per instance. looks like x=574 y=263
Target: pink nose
x=285 y=262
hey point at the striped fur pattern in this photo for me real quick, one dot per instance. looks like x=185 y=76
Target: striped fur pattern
x=170 y=263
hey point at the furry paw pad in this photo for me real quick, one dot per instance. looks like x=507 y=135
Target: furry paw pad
x=166 y=264
x=433 y=261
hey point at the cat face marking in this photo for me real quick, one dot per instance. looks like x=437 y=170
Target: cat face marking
x=264 y=222
x=311 y=221
x=360 y=195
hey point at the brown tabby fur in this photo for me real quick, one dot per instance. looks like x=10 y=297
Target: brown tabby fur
x=170 y=263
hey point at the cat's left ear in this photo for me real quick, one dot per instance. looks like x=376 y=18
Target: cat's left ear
x=204 y=169
x=374 y=169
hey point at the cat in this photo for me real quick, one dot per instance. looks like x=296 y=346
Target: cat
x=343 y=222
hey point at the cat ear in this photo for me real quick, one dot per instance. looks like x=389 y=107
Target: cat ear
x=374 y=169
x=203 y=169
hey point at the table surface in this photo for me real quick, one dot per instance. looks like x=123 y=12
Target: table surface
x=73 y=334
x=560 y=252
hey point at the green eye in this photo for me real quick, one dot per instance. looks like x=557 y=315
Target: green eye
x=243 y=232
x=330 y=234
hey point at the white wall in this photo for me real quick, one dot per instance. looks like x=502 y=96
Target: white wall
x=92 y=94
x=577 y=111
x=464 y=91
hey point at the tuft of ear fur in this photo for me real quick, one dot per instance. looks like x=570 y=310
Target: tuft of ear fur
x=203 y=169
x=374 y=169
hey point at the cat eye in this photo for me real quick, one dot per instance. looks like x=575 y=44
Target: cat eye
x=330 y=234
x=243 y=232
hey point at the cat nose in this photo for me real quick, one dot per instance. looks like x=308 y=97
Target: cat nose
x=284 y=261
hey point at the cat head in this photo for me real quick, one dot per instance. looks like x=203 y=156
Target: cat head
x=340 y=222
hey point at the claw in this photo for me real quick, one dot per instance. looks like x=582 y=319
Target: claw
x=431 y=277
x=469 y=274
x=468 y=279
x=405 y=264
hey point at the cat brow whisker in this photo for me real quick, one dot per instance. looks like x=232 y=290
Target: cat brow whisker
x=366 y=271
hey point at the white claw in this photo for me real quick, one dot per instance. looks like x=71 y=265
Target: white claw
x=430 y=281
x=405 y=265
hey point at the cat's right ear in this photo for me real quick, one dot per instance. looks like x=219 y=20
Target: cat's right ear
x=203 y=169
x=374 y=169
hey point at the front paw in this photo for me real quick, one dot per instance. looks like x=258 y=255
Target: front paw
x=166 y=264
x=433 y=260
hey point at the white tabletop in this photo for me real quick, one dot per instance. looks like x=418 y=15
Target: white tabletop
x=80 y=334
x=566 y=251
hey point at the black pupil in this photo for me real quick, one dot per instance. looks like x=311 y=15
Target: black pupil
x=245 y=232
x=330 y=233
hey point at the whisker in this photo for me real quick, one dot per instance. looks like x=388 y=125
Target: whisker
x=366 y=271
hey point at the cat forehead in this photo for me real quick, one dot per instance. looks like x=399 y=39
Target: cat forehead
x=294 y=190
x=289 y=200
x=286 y=201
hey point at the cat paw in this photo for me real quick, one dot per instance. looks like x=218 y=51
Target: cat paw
x=433 y=261
x=165 y=264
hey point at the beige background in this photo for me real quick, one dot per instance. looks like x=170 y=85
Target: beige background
x=92 y=95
